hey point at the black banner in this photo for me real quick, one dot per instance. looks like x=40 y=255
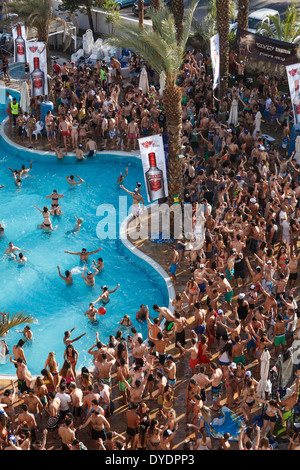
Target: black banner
x=259 y=47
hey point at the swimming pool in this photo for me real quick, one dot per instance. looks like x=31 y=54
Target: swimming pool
x=36 y=287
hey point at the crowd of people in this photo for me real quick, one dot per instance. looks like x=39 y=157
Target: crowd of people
x=240 y=297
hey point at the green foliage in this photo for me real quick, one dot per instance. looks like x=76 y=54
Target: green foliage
x=158 y=45
x=11 y=320
x=286 y=29
x=206 y=28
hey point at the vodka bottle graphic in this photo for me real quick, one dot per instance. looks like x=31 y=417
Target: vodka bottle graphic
x=20 y=47
x=37 y=78
x=154 y=180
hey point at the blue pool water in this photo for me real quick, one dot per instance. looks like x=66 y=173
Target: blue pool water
x=36 y=287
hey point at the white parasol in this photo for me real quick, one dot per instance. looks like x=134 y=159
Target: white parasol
x=264 y=385
x=143 y=82
x=25 y=99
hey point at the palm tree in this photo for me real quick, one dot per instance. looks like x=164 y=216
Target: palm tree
x=161 y=50
x=141 y=13
x=243 y=13
x=223 y=19
x=15 y=319
x=38 y=15
x=286 y=29
x=178 y=12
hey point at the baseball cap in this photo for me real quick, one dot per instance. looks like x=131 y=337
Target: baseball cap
x=220 y=311
x=253 y=200
x=241 y=295
x=233 y=365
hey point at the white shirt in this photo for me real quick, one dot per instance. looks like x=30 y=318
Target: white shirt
x=65 y=399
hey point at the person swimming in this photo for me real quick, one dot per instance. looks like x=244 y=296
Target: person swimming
x=104 y=297
x=77 y=226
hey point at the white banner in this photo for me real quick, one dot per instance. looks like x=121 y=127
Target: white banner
x=154 y=166
x=37 y=59
x=215 y=58
x=293 y=73
x=19 y=38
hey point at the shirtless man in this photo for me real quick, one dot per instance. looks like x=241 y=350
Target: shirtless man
x=199 y=319
x=89 y=278
x=67 y=433
x=24 y=171
x=136 y=391
x=64 y=127
x=12 y=249
x=68 y=278
x=91 y=312
x=33 y=403
x=133 y=422
x=226 y=290
x=53 y=418
x=27 y=333
x=67 y=337
x=79 y=153
x=174 y=264
x=216 y=382
x=104 y=367
x=91 y=147
x=136 y=200
x=132 y=134
x=164 y=313
x=139 y=351
x=193 y=351
x=98 y=425
x=29 y=419
x=83 y=254
x=77 y=402
x=71 y=180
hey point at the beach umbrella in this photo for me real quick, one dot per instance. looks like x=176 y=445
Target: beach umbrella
x=25 y=99
x=143 y=81
x=264 y=385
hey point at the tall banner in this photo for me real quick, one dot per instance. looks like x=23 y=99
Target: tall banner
x=154 y=166
x=260 y=47
x=37 y=59
x=19 y=38
x=215 y=58
x=293 y=74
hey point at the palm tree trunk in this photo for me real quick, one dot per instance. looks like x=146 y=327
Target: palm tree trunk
x=141 y=13
x=172 y=104
x=178 y=12
x=90 y=17
x=223 y=19
x=243 y=13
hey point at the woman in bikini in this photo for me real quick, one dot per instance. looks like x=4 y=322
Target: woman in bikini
x=48 y=121
x=82 y=132
x=154 y=434
x=240 y=378
x=270 y=416
x=248 y=399
x=46 y=225
x=192 y=390
x=67 y=373
x=55 y=207
x=74 y=134
x=192 y=291
x=71 y=355
x=52 y=365
x=41 y=391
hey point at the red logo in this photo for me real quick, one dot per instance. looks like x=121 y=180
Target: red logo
x=147 y=144
x=33 y=49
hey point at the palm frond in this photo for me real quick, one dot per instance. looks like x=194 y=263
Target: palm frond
x=11 y=320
